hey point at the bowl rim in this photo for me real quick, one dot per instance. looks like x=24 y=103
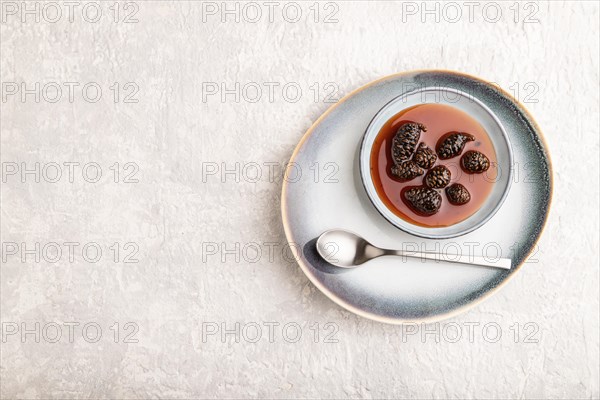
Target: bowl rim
x=364 y=161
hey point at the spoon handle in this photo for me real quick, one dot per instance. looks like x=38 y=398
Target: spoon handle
x=502 y=263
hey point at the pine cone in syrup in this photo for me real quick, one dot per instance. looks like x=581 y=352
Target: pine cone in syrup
x=407 y=170
x=452 y=144
x=405 y=141
x=474 y=162
x=458 y=194
x=437 y=177
x=422 y=199
x=424 y=157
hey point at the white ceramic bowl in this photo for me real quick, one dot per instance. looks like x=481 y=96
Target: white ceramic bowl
x=477 y=110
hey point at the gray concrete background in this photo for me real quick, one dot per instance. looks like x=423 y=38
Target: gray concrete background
x=188 y=251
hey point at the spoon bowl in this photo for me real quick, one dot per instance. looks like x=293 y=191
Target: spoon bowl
x=345 y=249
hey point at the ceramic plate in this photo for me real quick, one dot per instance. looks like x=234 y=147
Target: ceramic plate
x=325 y=192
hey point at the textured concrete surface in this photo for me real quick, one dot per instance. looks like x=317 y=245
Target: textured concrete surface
x=198 y=252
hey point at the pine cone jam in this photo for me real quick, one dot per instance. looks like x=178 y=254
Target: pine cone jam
x=427 y=187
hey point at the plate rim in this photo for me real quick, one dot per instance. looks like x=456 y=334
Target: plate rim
x=467 y=306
